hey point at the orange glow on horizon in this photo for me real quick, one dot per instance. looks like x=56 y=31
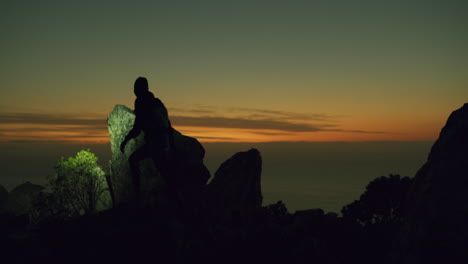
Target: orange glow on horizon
x=77 y=134
x=224 y=124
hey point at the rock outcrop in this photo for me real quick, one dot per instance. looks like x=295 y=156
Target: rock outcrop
x=235 y=191
x=21 y=197
x=3 y=197
x=437 y=229
x=188 y=168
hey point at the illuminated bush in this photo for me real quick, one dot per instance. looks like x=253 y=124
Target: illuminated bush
x=79 y=185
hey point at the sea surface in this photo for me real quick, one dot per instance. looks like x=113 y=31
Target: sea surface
x=303 y=175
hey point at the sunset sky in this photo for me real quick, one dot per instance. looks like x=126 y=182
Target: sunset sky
x=266 y=73
x=231 y=71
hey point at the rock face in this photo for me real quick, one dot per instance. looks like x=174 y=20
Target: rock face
x=437 y=229
x=235 y=190
x=188 y=168
x=20 y=198
x=3 y=197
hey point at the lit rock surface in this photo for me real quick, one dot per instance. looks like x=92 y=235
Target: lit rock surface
x=437 y=230
x=188 y=170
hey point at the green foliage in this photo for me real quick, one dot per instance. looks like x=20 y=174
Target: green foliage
x=382 y=202
x=79 y=184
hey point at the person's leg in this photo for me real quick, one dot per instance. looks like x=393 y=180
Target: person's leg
x=134 y=159
x=169 y=172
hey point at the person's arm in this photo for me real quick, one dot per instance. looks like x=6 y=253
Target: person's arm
x=132 y=134
x=135 y=130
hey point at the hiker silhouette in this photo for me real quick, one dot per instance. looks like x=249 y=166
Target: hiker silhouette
x=152 y=118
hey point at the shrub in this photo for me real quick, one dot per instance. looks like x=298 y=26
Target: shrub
x=79 y=185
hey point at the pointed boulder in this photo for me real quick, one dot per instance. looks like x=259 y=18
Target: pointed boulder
x=235 y=190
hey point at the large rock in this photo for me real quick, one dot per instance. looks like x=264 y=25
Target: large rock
x=437 y=229
x=3 y=197
x=188 y=169
x=20 y=199
x=235 y=191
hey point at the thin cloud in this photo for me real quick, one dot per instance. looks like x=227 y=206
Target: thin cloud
x=262 y=113
x=22 y=141
x=362 y=131
x=48 y=119
x=191 y=110
x=31 y=127
x=261 y=124
x=47 y=141
x=226 y=122
x=24 y=126
x=272 y=133
x=217 y=138
x=59 y=136
x=356 y=131
x=195 y=109
x=53 y=129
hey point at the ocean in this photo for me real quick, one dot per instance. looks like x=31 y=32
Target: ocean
x=304 y=175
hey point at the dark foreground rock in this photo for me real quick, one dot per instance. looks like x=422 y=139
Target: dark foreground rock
x=3 y=197
x=432 y=230
x=235 y=191
x=20 y=199
x=437 y=230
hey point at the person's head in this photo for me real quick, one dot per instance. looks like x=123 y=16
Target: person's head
x=141 y=86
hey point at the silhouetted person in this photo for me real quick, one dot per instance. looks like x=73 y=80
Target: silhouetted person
x=151 y=117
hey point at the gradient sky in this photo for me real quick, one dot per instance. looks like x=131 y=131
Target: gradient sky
x=235 y=70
